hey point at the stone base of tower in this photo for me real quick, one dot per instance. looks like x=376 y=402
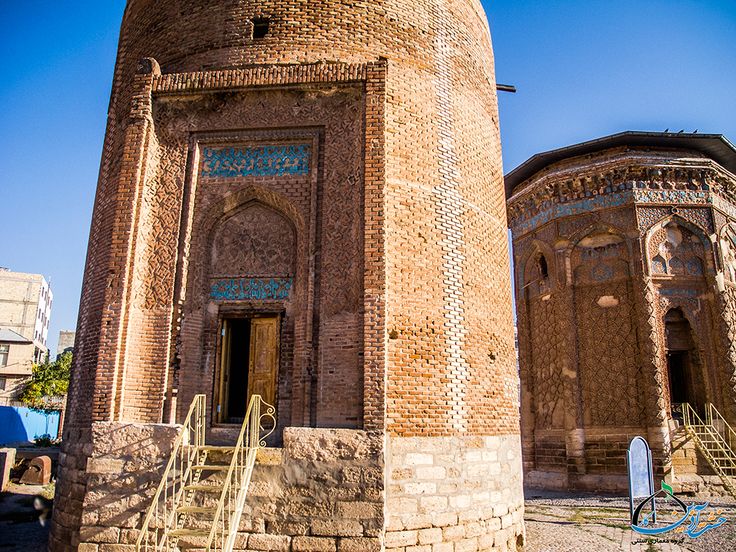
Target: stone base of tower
x=454 y=493
x=593 y=460
x=324 y=490
x=683 y=466
x=70 y=489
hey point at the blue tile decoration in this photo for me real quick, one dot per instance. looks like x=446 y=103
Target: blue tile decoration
x=601 y=273
x=232 y=289
x=678 y=197
x=671 y=196
x=280 y=160
x=679 y=292
x=574 y=208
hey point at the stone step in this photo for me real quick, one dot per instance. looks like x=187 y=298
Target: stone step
x=211 y=467
x=196 y=509
x=204 y=488
x=178 y=533
x=218 y=448
x=268 y=456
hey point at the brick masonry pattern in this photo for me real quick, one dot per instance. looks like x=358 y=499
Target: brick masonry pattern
x=604 y=225
x=403 y=95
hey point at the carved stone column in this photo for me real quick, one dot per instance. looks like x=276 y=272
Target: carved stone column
x=574 y=428
x=654 y=378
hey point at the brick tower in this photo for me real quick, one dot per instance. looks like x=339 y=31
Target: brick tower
x=319 y=185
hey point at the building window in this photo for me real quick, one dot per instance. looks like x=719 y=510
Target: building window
x=543 y=268
x=3 y=384
x=260 y=27
x=4 y=351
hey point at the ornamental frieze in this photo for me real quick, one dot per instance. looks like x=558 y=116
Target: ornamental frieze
x=277 y=160
x=258 y=289
x=565 y=197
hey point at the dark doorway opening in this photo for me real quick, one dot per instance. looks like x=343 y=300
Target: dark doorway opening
x=684 y=373
x=249 y=360
x=678 y=373
x=237 y=388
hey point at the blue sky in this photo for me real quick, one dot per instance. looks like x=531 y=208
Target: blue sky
x=584 y=69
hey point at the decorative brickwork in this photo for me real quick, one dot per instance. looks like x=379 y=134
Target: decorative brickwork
x=340 y=174
x=632 y=230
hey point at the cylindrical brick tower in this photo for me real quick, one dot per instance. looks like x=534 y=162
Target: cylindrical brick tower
x=327 y=173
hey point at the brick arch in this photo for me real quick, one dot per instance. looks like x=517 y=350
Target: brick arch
x=603 y=309
x=236 y=201
x=595 y=228
x=617 y=263
x=536 y=249
x=227 y=207
x=727 y=251
x=697 y=363
x=651 y=235
x=253 y=240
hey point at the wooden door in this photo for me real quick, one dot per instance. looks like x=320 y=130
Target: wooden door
x=224 y=394
x=264 y=358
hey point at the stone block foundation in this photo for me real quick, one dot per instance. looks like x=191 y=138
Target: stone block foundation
x=453 y=494
x=323 y=491
x=327 y=490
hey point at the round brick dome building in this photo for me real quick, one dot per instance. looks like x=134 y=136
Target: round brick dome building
x=303 y=200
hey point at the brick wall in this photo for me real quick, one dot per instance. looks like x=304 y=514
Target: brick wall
x=400 y=316
x=592 y=326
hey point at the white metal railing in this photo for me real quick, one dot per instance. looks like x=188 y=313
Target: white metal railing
x=712 y=443
x=186 y=453
x=714 y=418
x=235 y=486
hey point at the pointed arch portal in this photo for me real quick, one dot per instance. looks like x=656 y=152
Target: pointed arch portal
x=683 y=368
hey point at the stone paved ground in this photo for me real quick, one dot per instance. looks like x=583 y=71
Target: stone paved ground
x=557 y=522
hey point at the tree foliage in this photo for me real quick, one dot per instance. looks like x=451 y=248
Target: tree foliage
x=49 y=384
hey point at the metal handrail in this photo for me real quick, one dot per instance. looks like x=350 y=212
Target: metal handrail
x=162 y=513
x=710 y=429
x=712 y=414
x=235 y=488
x=716 y=439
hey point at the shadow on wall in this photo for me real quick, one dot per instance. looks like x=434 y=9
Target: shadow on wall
x=20 y=424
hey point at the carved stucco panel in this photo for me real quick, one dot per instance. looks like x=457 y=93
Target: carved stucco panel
x=256 y=241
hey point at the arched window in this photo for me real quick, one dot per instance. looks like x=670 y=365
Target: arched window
x=543 y=268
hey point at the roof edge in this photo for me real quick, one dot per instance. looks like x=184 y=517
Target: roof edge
x=715 y=146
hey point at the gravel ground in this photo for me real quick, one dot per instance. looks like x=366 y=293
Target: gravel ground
x=555 y=522
x=562 y=522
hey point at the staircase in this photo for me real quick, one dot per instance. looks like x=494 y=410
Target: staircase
x=715 y=439
x=200 y=499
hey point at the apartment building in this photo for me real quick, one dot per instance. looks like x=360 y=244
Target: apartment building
x=25 y=310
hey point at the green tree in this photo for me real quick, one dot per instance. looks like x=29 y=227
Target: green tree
x=49 y=384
